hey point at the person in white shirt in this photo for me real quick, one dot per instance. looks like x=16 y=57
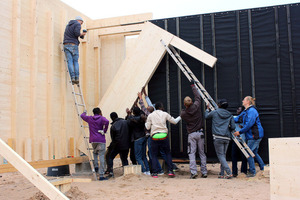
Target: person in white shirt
x=156 y=122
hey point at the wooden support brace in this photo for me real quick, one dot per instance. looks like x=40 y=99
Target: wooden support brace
x=30 y=173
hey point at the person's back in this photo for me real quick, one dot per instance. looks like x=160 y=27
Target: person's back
x=221 y=119
x=192 y=114
x=120 y=133
x=72 y=32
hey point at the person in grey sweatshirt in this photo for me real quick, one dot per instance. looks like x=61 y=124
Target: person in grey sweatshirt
x=222 y=125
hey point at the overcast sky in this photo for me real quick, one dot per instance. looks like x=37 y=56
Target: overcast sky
x=99 y=9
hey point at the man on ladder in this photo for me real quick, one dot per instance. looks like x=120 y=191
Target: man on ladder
x=71 y=42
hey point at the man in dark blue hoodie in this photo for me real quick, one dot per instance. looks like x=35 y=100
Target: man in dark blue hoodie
x=71 y=42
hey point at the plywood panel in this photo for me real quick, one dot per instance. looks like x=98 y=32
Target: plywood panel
x=284 y=167
x=139 y=66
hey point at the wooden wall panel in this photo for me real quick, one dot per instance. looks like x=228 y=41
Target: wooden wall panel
x=284 y=167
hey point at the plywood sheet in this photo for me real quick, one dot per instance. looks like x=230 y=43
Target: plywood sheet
x=284 y=168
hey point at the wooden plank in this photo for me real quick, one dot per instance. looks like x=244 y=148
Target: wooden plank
x=33 y=77
x=50 y=78
x=134 y=28
x=117 y=21
x=284 y=157
x=132 y=169
x=194 y=51
x=15 y=63
x=46 y=163
x=72 y=147
x=30 y=173
x=28 y=150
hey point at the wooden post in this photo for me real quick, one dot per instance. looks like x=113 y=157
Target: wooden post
x=28 y=150
x=50 y=77
x=30 y=173
x=71 y=147
x=15 y=62
x=33 y=77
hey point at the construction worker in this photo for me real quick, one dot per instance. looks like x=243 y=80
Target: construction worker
x=192 y=115
x=71 y=42
x=98 y=126
x=254 y=132
x=120 y=142
x=156 y=121
x=221 y=121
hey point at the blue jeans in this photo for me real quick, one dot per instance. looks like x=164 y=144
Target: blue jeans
x=234 y=155
x=221 y=146
x=140 y=153
x=72 y=55
x=150 y=156
x=157 y=146
x=254 y=145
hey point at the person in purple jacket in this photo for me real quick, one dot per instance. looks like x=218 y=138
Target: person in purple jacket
x=98 y=126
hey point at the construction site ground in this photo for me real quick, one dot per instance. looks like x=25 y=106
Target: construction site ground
x=15 y=186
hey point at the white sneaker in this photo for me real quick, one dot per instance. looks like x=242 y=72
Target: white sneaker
x=147 y=173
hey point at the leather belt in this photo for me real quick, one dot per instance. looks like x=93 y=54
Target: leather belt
x=69 y=44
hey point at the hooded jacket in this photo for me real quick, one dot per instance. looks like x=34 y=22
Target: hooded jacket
x=96 y=123
x=251 y=124
x=193 y=115
x=72 y=32
x=119 y=133
x=221 y=119
x=137 y=125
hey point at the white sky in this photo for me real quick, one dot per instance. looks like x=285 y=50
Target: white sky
x=99 y=9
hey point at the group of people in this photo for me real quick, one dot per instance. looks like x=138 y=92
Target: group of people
x=147 y=127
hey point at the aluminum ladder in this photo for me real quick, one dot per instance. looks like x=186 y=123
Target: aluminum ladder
x=204 y=94
x=80 y=108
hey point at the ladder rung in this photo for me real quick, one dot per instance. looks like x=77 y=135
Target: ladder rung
x=90 y=149
x=77 y=94
x=79 y=104
x=84 y=126
x=86 y=137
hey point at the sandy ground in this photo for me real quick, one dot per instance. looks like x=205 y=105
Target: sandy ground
x=15 y=186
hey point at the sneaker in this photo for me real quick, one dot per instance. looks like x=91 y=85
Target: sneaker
x=154 y=175
x=193 y=176
x=250 y=175
x=171 y=174
x=161 y=172
x=228 y=176
x=96 y=169
x=110 y=175
x=102 y=178
x=204 y=176
x=147 y=173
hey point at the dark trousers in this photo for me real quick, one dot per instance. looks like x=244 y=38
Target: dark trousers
x=156 y=147
x=110 y=155
x=235 y=152
x=132 y=154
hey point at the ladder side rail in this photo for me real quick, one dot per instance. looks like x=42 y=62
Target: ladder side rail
x=78 y=114
x=203 y=93
x=189 y=71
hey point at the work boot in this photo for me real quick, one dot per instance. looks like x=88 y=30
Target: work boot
x=204 y=176
x=102 y=178
x=77 y=80
x=73 y=80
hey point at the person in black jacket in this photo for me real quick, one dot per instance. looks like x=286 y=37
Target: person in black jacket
x=120 y=141
x=71 y=42
x=137 y=123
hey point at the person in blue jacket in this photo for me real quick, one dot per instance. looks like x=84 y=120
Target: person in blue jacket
x=253 y=131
